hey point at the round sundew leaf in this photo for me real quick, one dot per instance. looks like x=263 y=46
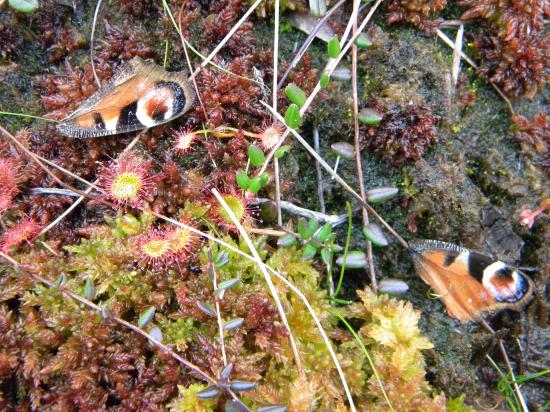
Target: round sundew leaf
x=295 y=94
x=356 y=259
x=256 y=155
x=363 y=41
x=242 y=179
x=238 y=385
x=333 y=47
x=233 y=323
x=24 y=6
x=146 y=317
x=343 y=149
x=208 y=393
x=207 y=309
x=280 y=152
x=374 y=234
x=392 y=286
x=309 y=251
x=286 y=240
x=369 y=117
x=292 y=116
x=381 y=194
x=255 y=185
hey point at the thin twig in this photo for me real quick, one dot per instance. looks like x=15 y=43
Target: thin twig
x=360 y=179
x=217 y=303
x=311 y=36
x=450 y=43
x=457 y=50
x=508 y=365
x=274 y=97
x=329 y=68
x=342 y=182
x=92 y=34
x=267 y=278
x=334 y=220
x=193 y=79
x=320 y=194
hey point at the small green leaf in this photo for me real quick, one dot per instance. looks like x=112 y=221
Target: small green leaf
x=392 y=286
x=326 y=256
x=233 y=323
x=370 y=116
x=333 y=47
x=324 y=233
x=156 y=333
x=309 y=251
x=208 y=393
x=229 y=283
x=24 y=6
x=355 y=259
x=363 y=41
x=303 y=229
x=313 y=226
x=238 y=385
x=222 y=259
x=324 y=80
x=89 y=289
x=207 y=309
x=374 y=234
x=146 y=317
x=280 y=152
x=381 y=194
x=255 y=185
x=292 y=116
x=286 y=240
x=61 y=281
x=226 y=372
x=264 y=178
x=295 y=94
x=242 y=179
x=343 y=149
x=256 y=155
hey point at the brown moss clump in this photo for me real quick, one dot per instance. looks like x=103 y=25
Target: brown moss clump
x=404 y=133
x=533 y=135
x=419 y=13
x=515 y=47
x=9 y=42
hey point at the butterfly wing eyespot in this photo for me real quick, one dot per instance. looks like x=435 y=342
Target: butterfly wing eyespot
x=140 y=95
x=470 y=283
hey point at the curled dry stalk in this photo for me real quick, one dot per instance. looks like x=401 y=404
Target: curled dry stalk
x=88 y=303
x=267 y=279
x=363 y=192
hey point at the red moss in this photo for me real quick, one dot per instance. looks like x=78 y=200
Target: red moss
x=25 y=230
x=534 y=135
x=9 y=42
x=138 y=8
x=419 y=13
x=68 y=40
x=8 y=183
x=403 y=133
